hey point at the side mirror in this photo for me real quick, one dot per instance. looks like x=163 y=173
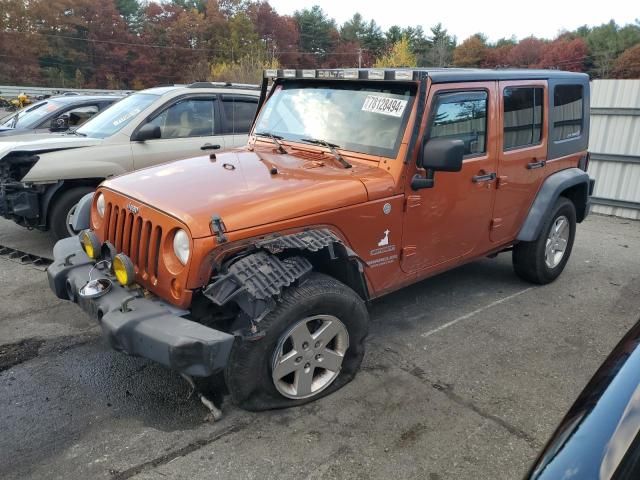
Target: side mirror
x=148 y=132
x=442 y=155
x=60 y=123
x=438 y=155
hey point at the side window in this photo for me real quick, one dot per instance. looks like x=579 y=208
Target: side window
x=461 y=115
x=239 y=113
x=186 y=118
x=567 y=112
x=79 y=115
x=522 y=116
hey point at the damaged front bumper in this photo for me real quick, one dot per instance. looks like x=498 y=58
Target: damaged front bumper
x=139 y=326
x=19 y=203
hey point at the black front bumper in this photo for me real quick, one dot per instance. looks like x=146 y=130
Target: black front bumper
x=145 y=327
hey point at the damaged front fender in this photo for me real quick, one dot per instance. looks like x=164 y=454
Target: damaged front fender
x=254 y=278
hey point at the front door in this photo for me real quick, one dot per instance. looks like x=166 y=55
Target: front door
x=451 y=220
x=187 y=126
x=522 y=153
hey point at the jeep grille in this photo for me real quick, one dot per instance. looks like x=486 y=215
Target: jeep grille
x=136 y=237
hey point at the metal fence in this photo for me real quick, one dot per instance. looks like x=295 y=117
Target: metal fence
x=614 y=144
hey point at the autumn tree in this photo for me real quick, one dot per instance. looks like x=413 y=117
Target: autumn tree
x=400 y=55
x=472 y=52
x=527 y=53
x=564 y=54
x=627 y=65
x=279 y=33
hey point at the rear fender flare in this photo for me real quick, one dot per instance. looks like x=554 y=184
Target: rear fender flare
x=547 y=196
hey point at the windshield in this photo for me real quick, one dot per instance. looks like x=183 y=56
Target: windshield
x=31 y=116
x=117 y=116
x=361 y=117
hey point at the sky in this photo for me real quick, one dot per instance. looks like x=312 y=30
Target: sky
x=463 y=18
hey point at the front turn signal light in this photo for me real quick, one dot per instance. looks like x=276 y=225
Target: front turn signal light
x=90 y=244
x=123 y=269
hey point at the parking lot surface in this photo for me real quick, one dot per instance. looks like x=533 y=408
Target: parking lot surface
x=466 y=376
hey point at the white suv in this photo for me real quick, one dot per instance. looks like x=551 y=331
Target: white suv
x=42 y=177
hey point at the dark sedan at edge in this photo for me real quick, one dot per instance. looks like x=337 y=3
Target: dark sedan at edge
x=55 y=114
x=599 y=437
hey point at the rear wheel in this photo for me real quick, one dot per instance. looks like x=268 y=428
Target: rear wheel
x=62 y=210
x=314 y=344
x=544 y=259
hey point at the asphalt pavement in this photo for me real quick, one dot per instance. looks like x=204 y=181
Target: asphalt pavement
x=466 y=375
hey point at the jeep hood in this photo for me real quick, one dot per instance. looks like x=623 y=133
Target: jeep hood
x=243 y=189
x=43 y=142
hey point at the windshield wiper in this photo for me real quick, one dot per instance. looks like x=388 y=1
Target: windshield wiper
x=332 y=147
x=276 y=139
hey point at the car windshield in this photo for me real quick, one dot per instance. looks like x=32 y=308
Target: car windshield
x=31 y=116
x=117 y=116
x=361 y=117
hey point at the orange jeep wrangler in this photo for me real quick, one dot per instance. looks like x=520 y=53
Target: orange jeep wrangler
x=260 y=262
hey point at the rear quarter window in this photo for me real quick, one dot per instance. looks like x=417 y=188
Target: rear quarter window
x=568 y=112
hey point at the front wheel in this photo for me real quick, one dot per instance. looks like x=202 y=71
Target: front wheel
x=544 y=259
x=314 y=344
x=62 y=211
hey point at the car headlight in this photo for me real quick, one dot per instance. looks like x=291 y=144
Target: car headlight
x=181 y=246
x=100 y=205
x=90 y=244
x=123 y=269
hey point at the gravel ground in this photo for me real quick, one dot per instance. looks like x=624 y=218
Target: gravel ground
x=466 y=375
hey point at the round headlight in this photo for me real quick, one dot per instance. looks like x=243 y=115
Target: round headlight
x=90 y=244
x=123 y=269
x=181 y=246
x=100 y=205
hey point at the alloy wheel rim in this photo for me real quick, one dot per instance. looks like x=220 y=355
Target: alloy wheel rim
x=308 y=356
x=70 y=213
x=557 y=242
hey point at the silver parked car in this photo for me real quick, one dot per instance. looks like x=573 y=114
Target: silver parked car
x=42 y=177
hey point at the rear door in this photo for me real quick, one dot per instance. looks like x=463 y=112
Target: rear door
x=522 y=154
x=237 y=112
x=189 y=128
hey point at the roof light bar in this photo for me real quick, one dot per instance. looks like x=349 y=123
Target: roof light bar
x=346 y=73
x=404 y=75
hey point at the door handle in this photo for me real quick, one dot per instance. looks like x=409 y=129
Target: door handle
x=534 y=165
x=484 y=178
x=208 y=146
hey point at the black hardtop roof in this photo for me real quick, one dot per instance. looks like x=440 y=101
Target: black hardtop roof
x=437 y=75
x=441 y=75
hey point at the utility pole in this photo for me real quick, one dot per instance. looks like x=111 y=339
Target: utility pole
x=359 y=58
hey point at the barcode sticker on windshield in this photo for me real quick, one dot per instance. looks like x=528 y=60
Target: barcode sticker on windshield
x=384 y=105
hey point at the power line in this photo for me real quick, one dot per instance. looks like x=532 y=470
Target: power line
x=166 y=47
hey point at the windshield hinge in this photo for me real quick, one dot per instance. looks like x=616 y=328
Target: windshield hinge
x=218 y=228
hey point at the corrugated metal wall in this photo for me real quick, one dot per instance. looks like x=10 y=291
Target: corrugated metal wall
x=614 y=144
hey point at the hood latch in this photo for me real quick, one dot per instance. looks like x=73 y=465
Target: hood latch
x=218 y=228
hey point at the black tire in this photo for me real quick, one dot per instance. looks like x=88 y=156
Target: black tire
x=248 y=372
x=60 y=209
x=529 y=257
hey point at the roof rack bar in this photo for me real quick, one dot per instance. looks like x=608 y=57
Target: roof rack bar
x=243 y=86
